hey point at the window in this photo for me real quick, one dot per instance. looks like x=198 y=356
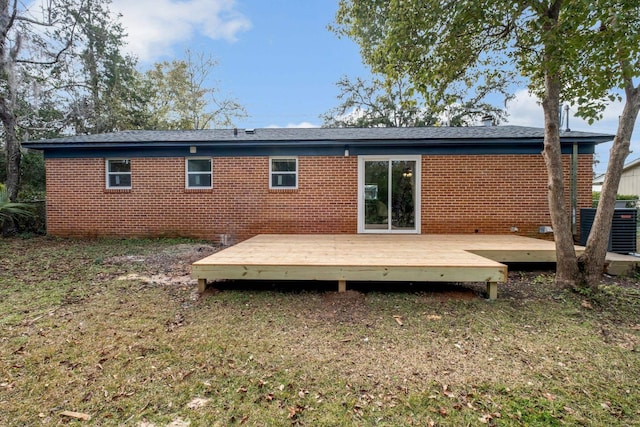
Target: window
x=283 y=172
x=199 y=173
x=119 y=173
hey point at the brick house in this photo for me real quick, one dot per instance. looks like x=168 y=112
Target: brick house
x=232 y=184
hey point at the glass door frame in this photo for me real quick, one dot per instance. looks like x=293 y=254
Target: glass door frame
x=361 y=193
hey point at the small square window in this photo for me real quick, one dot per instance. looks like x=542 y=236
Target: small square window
x=118 y=173
x=199 y=173
x=283 y=172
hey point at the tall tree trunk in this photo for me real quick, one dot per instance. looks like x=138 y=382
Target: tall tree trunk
x=8 y=58
x=592 y=261
x=566 y=262
x=12 y=147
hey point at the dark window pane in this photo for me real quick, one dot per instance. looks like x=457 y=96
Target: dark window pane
x=283 y=165
x=119 y=166
x=119 y=180
x=200 y=180
x=283 y=180
x=199 y=165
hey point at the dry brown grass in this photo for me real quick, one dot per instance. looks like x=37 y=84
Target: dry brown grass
x=116 y=330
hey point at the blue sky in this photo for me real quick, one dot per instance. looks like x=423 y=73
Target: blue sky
x=277 y=58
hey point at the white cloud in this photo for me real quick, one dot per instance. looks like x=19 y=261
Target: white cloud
x=302 y=125
x=295 y=125
x=524 y=110
x=153 y=26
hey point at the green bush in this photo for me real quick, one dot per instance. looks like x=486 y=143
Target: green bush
x=12 y=212
x=31 y=196
x=631 y=199
x=32 y=171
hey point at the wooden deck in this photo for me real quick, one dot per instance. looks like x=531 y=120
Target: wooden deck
x=369 y=257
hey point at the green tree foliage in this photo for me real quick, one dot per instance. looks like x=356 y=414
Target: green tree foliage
x=32 y=42
x=580 y=51
x=108 y=92
x=374 y=104
x=182 y=99
x=396 y=104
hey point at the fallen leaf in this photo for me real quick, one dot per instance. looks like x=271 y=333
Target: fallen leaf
x=488 y=417
x=586 y=304
x=294 y=411
x=76 y=415
x=549 y=396
x=443 y=411
x=485 y=418
x=179 y=423
x=446 y=392
x=197 y=403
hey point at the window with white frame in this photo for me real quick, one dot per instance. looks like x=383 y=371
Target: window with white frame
x=118 y=173
x=199 y=173
x=283 y=172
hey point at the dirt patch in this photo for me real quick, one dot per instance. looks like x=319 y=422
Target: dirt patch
x=169 y=259
x=170 y=267
x=343 y=307
x=448 y=292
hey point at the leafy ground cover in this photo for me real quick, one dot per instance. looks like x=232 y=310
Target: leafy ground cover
x=114 y=332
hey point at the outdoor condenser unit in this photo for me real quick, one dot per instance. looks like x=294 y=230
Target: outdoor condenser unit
x=622 y=239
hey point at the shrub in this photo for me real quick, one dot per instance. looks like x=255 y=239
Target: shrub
x=10 y=212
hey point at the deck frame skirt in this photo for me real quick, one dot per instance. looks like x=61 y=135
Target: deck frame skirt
x=379 y=257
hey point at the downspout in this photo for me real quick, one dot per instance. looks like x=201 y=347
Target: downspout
x=573 y=178
x=574 y=188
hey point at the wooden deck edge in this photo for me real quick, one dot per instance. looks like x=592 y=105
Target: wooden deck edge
x=497 y=273
x=621 y=265
x=520 y=256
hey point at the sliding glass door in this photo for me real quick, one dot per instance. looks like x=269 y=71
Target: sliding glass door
x=389 y=196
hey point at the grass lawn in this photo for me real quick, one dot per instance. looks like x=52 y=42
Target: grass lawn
x=115 y=330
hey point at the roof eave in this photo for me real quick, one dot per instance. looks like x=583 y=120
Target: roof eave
x=45 y=145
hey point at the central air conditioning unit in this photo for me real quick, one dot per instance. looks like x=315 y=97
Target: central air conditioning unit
x=623 y=236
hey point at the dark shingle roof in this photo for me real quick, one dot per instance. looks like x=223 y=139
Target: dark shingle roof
x=474 y=133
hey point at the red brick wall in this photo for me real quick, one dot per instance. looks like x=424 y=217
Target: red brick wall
x=459 y=195
x=240 y=203
x=491 y=194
